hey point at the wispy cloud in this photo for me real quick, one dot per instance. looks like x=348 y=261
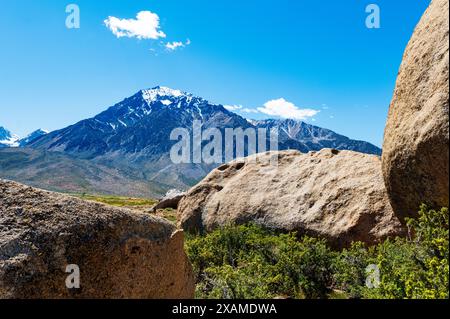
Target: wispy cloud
x=241 y=109
x=172 y=46
x=284 y=109
x=250 y=111
x=145 y=26
x=233 y=108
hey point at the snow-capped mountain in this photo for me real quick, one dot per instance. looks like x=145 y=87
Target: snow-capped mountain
x=7 y=139
x=304 y=137
x=131 y=142
x=139 y=125
x=143 y=123
x=32 y=137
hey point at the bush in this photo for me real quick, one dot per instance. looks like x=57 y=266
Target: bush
x=251 y=262
x=305 y=267
x=416 y=267
x=248 y=262
x=349 y=270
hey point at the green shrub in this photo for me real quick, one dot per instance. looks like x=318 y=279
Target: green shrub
x=248 y=262
x=228 y=246
x=305 y=267
x=416 y=267
x=249 y=281
x=251 y=262
x=349 y=270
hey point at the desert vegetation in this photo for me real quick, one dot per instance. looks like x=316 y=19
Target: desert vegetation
x=250 y=262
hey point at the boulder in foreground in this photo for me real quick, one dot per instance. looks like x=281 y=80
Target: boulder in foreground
x=415 y=150
x=338 y=195
x=120 y=254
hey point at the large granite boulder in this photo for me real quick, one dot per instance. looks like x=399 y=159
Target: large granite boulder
x=119 y=253
x=336 y=195
x=415 y=150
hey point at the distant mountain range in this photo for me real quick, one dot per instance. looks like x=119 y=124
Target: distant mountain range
x=32 y=137
x=304 y=137
x=125 y=149
x=7 y=139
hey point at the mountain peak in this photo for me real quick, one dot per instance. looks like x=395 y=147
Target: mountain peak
x=7 y=139
x=4 y=133
x=32 y=137
x=38 y=131
x=151 y=95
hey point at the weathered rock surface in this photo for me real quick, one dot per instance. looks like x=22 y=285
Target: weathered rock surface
x=336 y=195
x=415 y=150
x=121 y=254
x=171 y=200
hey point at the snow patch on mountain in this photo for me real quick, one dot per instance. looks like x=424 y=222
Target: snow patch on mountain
x=13 y=141
x=7 y=139
x=158 y=92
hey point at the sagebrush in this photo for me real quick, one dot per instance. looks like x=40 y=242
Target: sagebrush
x=250 y=262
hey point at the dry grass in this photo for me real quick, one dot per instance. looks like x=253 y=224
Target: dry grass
x=118 y=201
x=141 y=204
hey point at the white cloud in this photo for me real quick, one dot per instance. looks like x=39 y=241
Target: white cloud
x=145 y=26
x=285 y=109
x=172 y=46
x=250 y=111
x=233 y=108
x=241 y=109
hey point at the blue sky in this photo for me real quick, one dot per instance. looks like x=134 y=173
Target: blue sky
x=316 y=55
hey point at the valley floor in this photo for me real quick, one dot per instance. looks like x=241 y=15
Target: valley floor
x=143 y=205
